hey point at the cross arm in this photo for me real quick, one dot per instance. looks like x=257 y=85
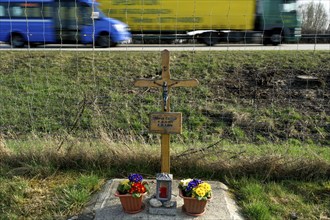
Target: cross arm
x=146 y=83
x=184 y=83
x=170 y=83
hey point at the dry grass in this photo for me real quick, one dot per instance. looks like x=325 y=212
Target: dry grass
x=103 y=154
x=119 y=159
x=266 y=167
x=4 y=151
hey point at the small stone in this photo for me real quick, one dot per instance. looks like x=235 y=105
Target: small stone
x=223 y=186
x=168 y=204
x=293 y=216
x=155 y=203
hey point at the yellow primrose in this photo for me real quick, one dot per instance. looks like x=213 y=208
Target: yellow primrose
x=205 y=186
x=124 y=182
x=200 y=191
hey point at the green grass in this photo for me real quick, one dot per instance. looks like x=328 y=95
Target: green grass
x=283 y=199
x=55 y=197
x=246 y=96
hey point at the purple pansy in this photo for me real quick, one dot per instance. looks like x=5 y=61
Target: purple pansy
x=134 y=177
x=192 y=184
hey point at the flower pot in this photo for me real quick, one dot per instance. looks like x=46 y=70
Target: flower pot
x=192 y=206
x=130 y=204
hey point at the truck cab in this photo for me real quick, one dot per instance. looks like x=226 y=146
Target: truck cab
x=278 y=20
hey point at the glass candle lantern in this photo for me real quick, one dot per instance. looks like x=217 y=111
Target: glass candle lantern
x=164 y=186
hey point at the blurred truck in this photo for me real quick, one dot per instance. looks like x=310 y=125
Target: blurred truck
x=209 y=21
x=33 y=22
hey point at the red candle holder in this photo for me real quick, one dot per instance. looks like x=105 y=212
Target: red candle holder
x=164 y=186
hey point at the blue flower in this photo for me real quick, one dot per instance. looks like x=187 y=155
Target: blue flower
x=135 y=178
x=192 y=184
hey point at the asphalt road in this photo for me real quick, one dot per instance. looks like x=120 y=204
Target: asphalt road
x=172 y=47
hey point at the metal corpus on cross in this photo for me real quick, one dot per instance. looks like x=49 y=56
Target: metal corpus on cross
x=166 y=83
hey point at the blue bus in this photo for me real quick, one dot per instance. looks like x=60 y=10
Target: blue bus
x=33 y=22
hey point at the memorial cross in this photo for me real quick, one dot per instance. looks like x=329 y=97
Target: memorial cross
x=165 y=83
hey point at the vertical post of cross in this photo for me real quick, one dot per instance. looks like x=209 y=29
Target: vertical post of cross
x=165 y=138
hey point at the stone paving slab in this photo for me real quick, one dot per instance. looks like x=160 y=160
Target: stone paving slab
x=105 y=206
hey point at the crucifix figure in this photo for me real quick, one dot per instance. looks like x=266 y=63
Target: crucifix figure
x=166 y=83
x=165 y=96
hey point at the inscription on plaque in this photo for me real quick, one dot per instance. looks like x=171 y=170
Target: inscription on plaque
x=166 y=123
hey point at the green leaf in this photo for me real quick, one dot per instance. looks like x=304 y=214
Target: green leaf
x=146 y=185
x=136 y=195
x=123 y=188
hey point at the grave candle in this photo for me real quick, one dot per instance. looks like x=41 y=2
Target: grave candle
x=163 y=192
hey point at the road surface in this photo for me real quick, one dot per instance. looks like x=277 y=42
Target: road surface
x=172 y=47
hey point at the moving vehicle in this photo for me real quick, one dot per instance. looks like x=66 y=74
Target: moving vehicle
x=32 y=22
x=209 y=21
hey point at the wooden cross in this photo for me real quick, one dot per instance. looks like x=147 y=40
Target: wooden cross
x=165 y=83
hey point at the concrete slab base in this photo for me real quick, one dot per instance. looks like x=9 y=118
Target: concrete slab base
x=105 y=206
x=172 y=211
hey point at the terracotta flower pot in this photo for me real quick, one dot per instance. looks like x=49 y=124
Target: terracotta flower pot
x=192 y=206
x=130 y=204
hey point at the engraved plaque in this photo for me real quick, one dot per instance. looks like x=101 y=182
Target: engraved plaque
x=166 y=123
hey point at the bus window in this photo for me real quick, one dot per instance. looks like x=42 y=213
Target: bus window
x=25 y=10
x=16 y=11
x=47 y=11
x=2 y=11
x=33 y=12
x=86 y=13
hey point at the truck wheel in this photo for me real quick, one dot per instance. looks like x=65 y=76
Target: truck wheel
x=104 y=40
x=17 y=41
x=273 y=37
x=210 y=38
x=276 y=38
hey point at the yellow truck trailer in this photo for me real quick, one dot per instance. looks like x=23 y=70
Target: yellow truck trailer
x=208 y=21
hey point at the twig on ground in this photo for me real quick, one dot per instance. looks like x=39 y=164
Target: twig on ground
x=75 y=123
x=193 y=151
